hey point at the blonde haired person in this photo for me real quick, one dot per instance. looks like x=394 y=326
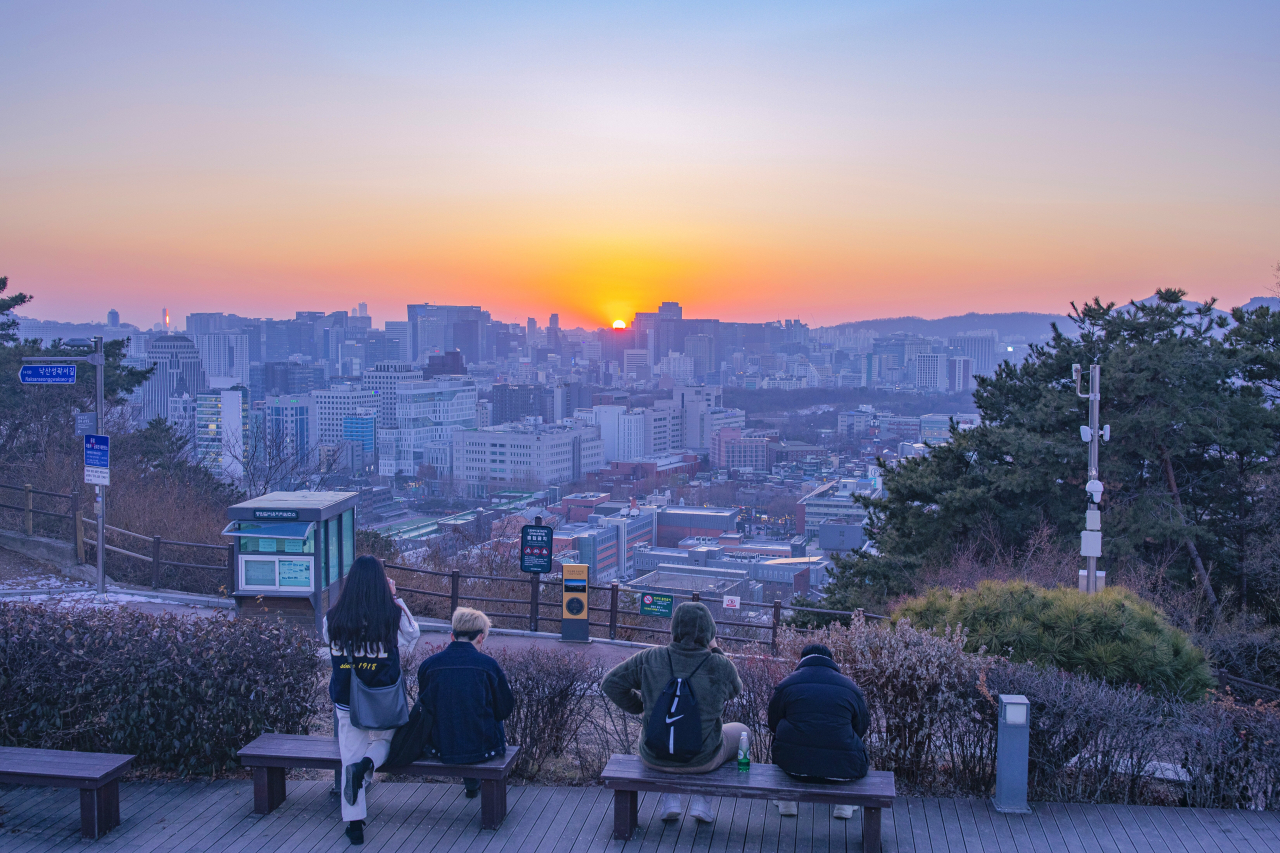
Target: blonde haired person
x=467 y=695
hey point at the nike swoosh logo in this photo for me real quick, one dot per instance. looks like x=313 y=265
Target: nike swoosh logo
x=671 y=720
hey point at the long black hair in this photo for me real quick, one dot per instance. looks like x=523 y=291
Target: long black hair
x=365 y=612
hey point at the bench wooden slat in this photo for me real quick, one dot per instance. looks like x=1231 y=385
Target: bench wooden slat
x=321 y=753
x=85 y=766
x=96 y=774
x=764 y=781
x=270 y=754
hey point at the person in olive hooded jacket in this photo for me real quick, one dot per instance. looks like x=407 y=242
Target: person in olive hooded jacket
x=636 y=684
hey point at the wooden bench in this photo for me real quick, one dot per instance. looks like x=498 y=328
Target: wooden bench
x=96 y=774
x=271 y=754
x=627 y=776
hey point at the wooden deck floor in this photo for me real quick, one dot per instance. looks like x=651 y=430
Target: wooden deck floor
x=419 y=817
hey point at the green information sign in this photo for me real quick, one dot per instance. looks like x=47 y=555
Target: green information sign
x=655 y=604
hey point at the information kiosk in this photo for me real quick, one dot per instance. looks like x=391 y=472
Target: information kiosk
x=292 y=550
x=574 y=615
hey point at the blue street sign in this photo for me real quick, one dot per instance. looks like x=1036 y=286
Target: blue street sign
x=97 y=451
x=47 y=374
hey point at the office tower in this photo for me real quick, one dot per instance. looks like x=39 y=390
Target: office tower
x=113 y=318
x=288 y=428
x=635 y=362
x=513 y=403
x=438 y=328
x=224 y=354
x=382 y=379
x=621 y=431
x=531 y=333
x=335 y=403
x=177 y=372
x=222 y=431
x=679 y=367
x=182 y=415
x=554 y=322
x=361 y=426
x=524 y=456
x=445 y=364
x=931 y=371
x=701 y=348
x=362 y=309
x=959 y=374
x=427 y=413
x=396 y=347
x=981 y=349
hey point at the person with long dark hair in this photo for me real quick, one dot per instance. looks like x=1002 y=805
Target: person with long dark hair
x=370 y=627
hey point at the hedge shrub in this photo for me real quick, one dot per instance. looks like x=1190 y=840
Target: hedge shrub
x=1114 y=636
x=181 y=693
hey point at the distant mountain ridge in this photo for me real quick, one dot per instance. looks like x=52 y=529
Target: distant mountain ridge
x=1030 y=325
x=1034 y=327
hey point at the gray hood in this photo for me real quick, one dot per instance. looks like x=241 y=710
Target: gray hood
x=692 y=626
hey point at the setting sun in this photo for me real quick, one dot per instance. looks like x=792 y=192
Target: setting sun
x=619 y=324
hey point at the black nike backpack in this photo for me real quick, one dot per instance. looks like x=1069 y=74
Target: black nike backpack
x=674 y=729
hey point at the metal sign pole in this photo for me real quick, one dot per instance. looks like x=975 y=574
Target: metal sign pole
x=99 y=363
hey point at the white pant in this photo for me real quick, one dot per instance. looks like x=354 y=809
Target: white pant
x=354 y=745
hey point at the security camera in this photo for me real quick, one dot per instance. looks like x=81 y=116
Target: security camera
x=1094 y=488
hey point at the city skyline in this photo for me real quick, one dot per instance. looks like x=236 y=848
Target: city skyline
x=817 y=161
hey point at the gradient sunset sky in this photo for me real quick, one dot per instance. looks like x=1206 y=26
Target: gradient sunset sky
x=754 y=161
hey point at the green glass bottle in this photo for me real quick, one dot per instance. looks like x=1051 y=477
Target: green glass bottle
x=744 y=753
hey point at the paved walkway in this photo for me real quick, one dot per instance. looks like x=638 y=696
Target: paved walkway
x=432 y=818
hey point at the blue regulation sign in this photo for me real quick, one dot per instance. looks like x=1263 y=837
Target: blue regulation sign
x=47 y=374
x=97 y=451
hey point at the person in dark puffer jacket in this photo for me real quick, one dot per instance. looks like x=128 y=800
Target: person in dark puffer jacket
x=468 y=695
x=819 y=717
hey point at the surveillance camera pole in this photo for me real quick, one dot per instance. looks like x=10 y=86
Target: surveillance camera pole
x=1095 y=434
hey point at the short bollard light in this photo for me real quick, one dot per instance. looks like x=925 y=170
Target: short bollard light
x=1013 y=742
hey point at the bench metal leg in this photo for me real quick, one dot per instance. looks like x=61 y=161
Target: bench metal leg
x=493 y=803
x=626 y=814
x=268 y=789
x=99 y=809
x=870 y=830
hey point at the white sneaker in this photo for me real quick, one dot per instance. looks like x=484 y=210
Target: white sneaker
x=842 y=812
x=700 y=807
x=670 y=807
x=788 y=808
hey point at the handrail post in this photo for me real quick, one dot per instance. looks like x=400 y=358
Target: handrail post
x=613 y=610
x=695 y=596
x=535 y=580
x=777 y=619
x=453 y=591
x=77 y=519
x=155 y=562
x=231 y=568
x=30 y=527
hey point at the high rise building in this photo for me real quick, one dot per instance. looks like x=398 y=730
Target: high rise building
x=396 y=341
x=437 y=328
x=663 y=430
x=981 y=349
x=288 y=429
x=222 y=431
x=931 y=371
x=732 y=447
x=524 y=456
x=113 y=318
x=959 y=375
x=426 y=412
x=361 y=426
x=382 y=379
x=621 y=432
x=225 y=354
x=177 y=372
x=702 y=349
x=334 y=404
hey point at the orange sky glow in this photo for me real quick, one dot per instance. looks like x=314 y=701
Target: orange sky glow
x=827 y=164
